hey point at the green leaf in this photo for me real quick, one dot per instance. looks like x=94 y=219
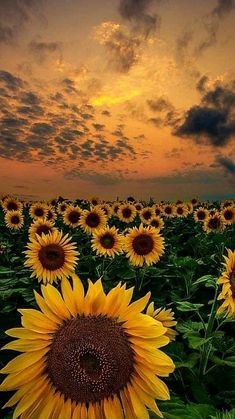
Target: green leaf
x=186 y=306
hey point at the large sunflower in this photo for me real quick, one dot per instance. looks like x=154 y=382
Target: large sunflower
x=38 y=210
x=228 y=215
x=11 y=204
x=14 y=220
x=87 y=356
x=107 y=242
x=71 y=216
x=51 y=256
x=92 y=220
x=227 y=280
x=39 y=226
x=143 y=245
x=166 y=317
x=127 y=212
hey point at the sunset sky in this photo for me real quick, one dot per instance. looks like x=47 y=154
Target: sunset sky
x=117 y=98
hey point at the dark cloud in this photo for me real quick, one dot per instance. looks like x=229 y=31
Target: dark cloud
x=183 y=53
x=43 y=128
x=211 y=23
x=94 y=177
x=98 y=127
x=43 y=50
x=106 y=113
x=201 y=84
x=17 y=13
x=212 y=121
x=123 y=51
x=227 y=164
x=6 y=34
x=136 y=11
x=160 y=104
x=11 y=82
x=30 y=98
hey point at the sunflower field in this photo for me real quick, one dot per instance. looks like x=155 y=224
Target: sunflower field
x=117 y=310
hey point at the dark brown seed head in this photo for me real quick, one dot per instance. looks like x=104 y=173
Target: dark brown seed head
x=90 y=359
x=93 y=220
x=107 y=240
x=52 y=256
x=143 y=244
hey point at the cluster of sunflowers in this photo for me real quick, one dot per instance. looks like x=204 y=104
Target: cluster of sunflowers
x=96 y=355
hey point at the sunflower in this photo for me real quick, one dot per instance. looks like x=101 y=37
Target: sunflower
x=194 y=201
x=227 y=203
x=115 y=207
x=138 y=206
x=190 y=207
x=51 y=256
x=51 y=214
x=157 y=210
x=181 y=210
x=143 y=245
x=169 y=210
x=213 y=211
x=14 y=220
x=146 y=214
x=92 y=220
x=157 y=222
x=62 y=207
x=166 y=317
x=71 y=216
x=94 y=200
x=228 y=215
x=11 y=204
x=39 y=226
x=201 y=214
x=107 y=242
x=213 y=223
x=107 y=209
x=87 y=356
x=53 y=202
x=38 y=210
x=127 y=212
x=227 y=279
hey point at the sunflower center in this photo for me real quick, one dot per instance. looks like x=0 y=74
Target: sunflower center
x=143 y=244
x=201 y=215
x=74 y=217
x=12 y=206
x=43 y=229
x=62 y=207
x=49 y=215
x=180 y=211
x=147 y=215
x=90 y=359
x=138 y=207
x=228 y=215
x=51 y=257
x=157 y=211
x=214 y=223
x=168 y=210
x=107 y=241
x=232 y=281
x=93 y=220
x=39 y=212
x=126 y=212
x=15 y=219
x=155 y=223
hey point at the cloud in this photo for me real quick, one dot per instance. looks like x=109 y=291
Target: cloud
x=227 y=164
x=6 y=34
x=97 y=178
x=211 y=23
x=43 y=50
x=123 y=49
x=11 y=82
x=213 y=121
x=160 y=104
x=17 y=13
x=136 y=11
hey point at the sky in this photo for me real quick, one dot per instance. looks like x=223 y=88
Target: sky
x=117 y=98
